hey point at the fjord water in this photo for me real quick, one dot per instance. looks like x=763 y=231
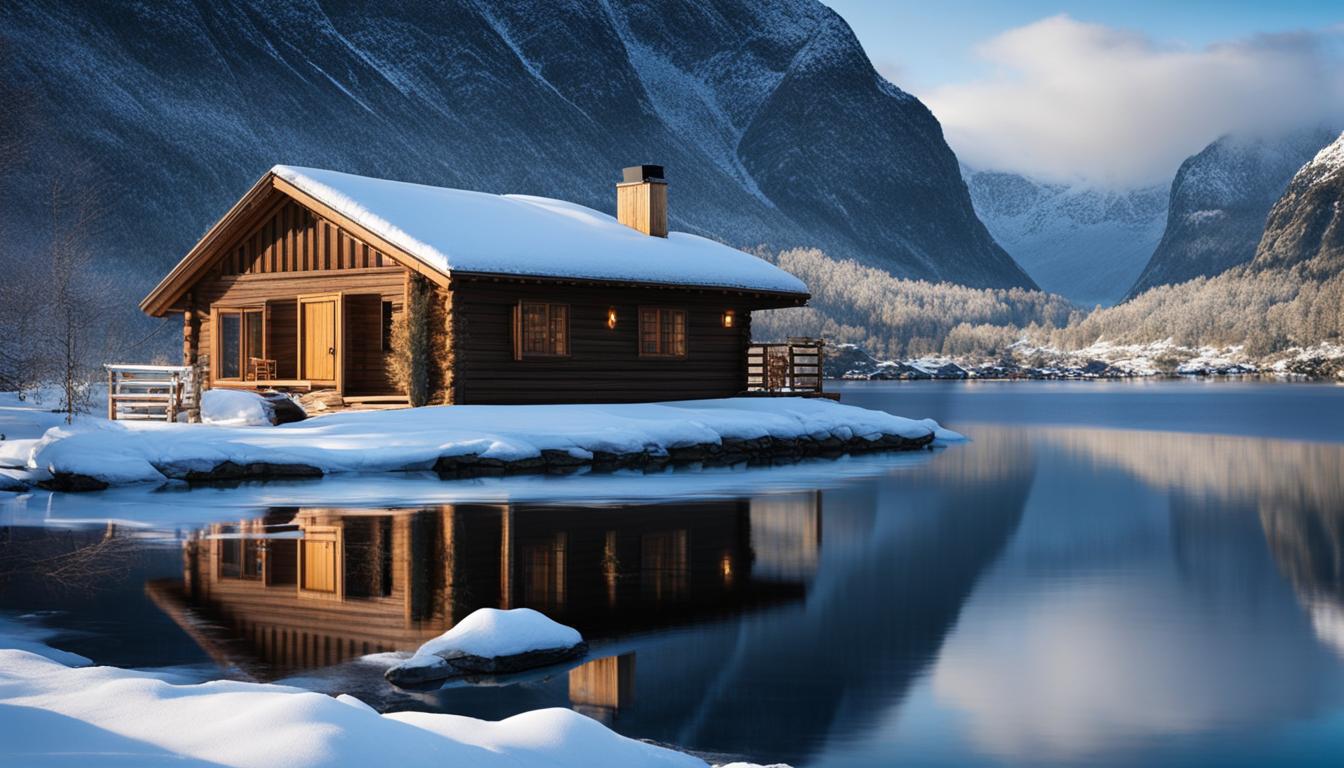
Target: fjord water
x=1107 y=573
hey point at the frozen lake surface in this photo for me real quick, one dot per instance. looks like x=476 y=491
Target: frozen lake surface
x=1108 y=573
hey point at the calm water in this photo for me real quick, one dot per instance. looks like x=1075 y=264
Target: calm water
x=1109 y=573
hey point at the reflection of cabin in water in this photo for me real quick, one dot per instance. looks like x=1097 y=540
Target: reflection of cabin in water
x=313 y=587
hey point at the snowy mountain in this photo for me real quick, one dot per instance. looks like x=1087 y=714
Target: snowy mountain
x=1219 y=200
x=1085 y=243
x=772 y=123
x=1305 y=228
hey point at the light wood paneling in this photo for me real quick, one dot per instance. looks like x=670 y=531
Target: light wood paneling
x=319 y=338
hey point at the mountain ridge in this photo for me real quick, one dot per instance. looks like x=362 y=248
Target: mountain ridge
x=1220 y=198
x=774 y=127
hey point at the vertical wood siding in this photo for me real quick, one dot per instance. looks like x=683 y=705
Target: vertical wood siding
x=290 y=253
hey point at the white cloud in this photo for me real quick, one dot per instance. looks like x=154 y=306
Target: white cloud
x=1068 y=100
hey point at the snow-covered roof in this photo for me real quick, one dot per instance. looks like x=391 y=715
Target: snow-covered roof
x=455 y=230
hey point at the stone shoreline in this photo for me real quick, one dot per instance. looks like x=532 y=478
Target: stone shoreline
x=760 y=451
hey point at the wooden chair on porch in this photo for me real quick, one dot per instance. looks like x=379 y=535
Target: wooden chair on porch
x=260 y=369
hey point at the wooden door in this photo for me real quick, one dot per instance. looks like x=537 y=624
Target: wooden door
x=319 y=338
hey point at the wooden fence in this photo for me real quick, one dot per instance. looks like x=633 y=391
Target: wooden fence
x=792 y=367
x=152 y=392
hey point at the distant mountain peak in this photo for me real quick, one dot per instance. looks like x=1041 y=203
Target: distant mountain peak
x=1082 y=241
x=1219 y=200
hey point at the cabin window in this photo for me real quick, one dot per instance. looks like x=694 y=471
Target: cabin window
x=242 y=335
x=662 y=332
x=542 y=330
x=239 y=556
x=387 y=326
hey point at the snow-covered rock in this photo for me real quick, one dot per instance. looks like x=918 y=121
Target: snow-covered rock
x=238 y=408
x=491 y=641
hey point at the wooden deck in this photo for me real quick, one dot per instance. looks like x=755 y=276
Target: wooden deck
x=790 y=368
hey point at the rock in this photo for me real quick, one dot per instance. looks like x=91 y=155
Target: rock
x=469 y=666
x=491 y=641
x=71 y=482
x=284 y=410
x=553 y=458
x=228 y=470
x=321 y=400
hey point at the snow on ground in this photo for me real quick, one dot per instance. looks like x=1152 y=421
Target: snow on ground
x=54 y=714
x=57 y=709
x=1150 y=359
x=413 y=439
x=1296 y=356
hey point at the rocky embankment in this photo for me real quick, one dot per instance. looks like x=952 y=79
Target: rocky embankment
x=762 y=451
x=1099 y=361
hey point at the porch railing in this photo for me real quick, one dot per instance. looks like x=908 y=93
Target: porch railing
x=789 y=367
x=152 y=392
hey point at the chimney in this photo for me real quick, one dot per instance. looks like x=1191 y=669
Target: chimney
x=641 y=200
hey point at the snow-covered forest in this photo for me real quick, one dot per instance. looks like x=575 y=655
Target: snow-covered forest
x=1267 y=310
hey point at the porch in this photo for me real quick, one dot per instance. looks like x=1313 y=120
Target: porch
x=336 y=344
x=792 y=368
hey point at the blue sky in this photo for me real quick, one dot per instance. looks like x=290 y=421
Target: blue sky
x=1108 y=93
x=932 y=44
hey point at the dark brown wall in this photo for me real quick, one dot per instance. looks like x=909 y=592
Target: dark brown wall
x=604 y=365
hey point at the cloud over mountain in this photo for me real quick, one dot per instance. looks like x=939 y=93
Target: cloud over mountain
x=1070 y=100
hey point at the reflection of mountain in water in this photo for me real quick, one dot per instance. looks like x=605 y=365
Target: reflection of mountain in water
x=1280 y=472
x=1295 y=488
x=898 y=562
x=1139 y=607
x=1309 y=548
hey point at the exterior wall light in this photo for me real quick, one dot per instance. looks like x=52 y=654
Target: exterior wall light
x=611 y=318
x=729 y=317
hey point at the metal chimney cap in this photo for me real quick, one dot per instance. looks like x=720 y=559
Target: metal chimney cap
x=638 y=173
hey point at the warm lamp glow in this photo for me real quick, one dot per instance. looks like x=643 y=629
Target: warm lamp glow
x=728 y=317
x=611 y=317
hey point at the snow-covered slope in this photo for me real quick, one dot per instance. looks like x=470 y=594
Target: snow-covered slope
x=1087 y=244
x=1219 y=200
x=1306 y=226
x=773 y=125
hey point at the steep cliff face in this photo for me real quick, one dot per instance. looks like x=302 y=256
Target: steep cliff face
x=1087 y=244
x=1305 y=227
x=1219 y=200
x=773 y=125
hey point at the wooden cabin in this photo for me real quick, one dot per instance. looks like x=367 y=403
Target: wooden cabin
x=318 y=280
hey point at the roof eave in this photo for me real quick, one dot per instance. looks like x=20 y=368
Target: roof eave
x=160 y=300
